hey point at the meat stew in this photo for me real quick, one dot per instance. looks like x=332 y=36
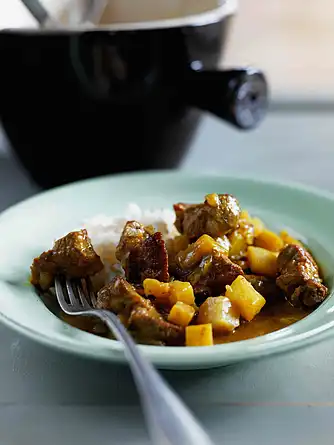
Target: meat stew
x=223 y=277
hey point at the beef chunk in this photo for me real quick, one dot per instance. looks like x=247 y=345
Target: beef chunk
x=73 y=256
x=142 y=253
x=298 y=277
x=151 y=328
x=217 y=216
x=138 y=314
x=150 y=261
x=267 y=287
x=132 y=238
x=215 y=273
x=120 y=297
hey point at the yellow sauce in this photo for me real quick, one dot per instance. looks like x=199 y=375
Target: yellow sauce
x=270 y=319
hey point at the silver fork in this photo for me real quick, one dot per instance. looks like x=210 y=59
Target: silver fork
x=169 y=421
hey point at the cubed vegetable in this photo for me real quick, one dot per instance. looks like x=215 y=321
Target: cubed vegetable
x=220 y=312
x=243 y=295
x=156 y=288
x=258 y=225
x=287 y=239
x=240 y=239
x=262 y=261
x=195 y=252
x=181 y=314
x=239 y=246
x=181 y=291
x=199 y=335
x=269 y=240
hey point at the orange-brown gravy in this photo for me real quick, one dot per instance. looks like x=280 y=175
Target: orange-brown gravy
x=270 y=319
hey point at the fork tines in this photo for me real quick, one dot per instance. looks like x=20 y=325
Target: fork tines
x=74 y=294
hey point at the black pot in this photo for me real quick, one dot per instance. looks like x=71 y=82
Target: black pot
x=78 y=103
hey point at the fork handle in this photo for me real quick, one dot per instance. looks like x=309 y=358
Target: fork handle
x=169 y=421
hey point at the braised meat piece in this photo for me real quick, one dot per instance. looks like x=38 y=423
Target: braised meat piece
x=132 y=238
x=138 y=314
x=149 y=327
x=298 y=277
x=73 y=256
x=120 y=297
x=215 y=273
x=267 y=287
x=217 y=216
x=142 y=253
x=150 y=261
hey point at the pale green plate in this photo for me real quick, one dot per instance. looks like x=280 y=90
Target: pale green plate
x=30 y=227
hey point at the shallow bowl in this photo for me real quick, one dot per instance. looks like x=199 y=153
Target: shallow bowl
x=31 y=226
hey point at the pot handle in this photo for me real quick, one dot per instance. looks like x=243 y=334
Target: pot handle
x=238 y=96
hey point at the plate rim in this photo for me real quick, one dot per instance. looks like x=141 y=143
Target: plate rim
x=297 y=185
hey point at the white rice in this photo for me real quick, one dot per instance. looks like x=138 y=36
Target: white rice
x=105 y=231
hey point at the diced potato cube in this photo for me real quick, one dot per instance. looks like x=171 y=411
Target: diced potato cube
x=195 y=252
x=156 y=288
x=243 y=295
x=247 y=231
x=181 y=314
x=262 y=261
x=199 y=335
x=181 y=291
x=238 y=245
x=240 y=239
x=220 y=313
x=258 y=225
x=204 y=245
x=269 y=240
x=287 y=239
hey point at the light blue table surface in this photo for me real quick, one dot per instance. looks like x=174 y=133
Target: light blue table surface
x=47 y=398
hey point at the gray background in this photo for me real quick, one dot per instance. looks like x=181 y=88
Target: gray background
x=51 y=398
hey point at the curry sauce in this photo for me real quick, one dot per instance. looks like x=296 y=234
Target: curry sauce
x=223 y=277
x=270 y=319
